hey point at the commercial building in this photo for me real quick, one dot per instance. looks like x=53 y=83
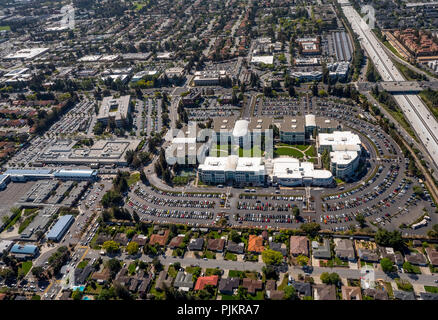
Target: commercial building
x=5 y=246
x=338 y=70
x=307 y=75
x=22 y=175
x=26 y=54
x=345 y=150
x=24 y=251
x=291 y=172
x=102 y=152
x=4 y=180
x=262 y=59
x=209 y=78
x=244 y=170
x=60 y=228
x=309 y=46
x=115 y=109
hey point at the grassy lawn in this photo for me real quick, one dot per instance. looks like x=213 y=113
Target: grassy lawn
x=301 y=147
x=311 y=152
x=26 y=222
x=133 y=178
x=283 y=151
x=83 y=264
x=211 y=271
x=209 y=255
x=404 y=285
x=283 y=283
x=236 y=274
x=131 y=268
x=89 y=289
x=253 y=152
x=228 y=297
x=260 y=295
x=158 y=295
x=215 y=235
x=339 y=181
x=230 y=256
x=388 y=288
x=29 y=211
x=8 y=28
x=431 y=289
x=13 y=221
x=363 y=263
x=25 y=267
x=426 y=96
x=172 y=271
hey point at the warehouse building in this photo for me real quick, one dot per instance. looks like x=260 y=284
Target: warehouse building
x=60 y=228
x=23 y=252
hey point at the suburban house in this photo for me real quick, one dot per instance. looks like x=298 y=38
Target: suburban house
x=163 y=281
x=403 y=295
x=102 y=276
x=140 y=239
x=228 y=285
x=432 y=254
x=416 y=258
x=428 y=296
x=159 y=238
x=81 y=275
x=272 y=292
x=255 y=244
x=344 y=249
x=183 y=281
x=176 y=242
x=389 y=253
x=324 y=292
x=204 y=281
x=196 y=244
x=351 y=293
x=216 y=245
x=303 y=289
x=376 y=294
x=238 y=248
x=252 y=285
x=121 y=238
x=299 y=245
x=321 y=251
x=280 y=247
x=367 y=251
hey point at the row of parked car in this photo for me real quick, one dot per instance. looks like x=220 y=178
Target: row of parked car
x=370 y=195
x=144 y=209
x=168 y=202
x=265 y=206
x=187 y=194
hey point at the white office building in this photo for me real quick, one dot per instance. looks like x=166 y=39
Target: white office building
x=291 y=172
x=345 y=149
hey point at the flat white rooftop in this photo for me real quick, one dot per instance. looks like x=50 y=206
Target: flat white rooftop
x=292 y=168
x=340 y=140
x=26 y=54
x=263 y=59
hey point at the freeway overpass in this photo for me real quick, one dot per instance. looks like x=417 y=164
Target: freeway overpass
x=423 y=123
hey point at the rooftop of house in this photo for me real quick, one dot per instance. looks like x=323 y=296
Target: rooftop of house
x=255 y=243
x=216 y=245
x=299 y=245
x=252 y=285
x=204 y=281
x=159 y=239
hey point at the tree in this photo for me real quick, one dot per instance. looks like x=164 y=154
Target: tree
x=157 y=264
x=38 y=272
x=132 y=248
x=387 y=265
x=360 y=218
x=302 y=260
x=111 y=246
x=296 y=212
x=114 y=266
x=330 y=278
x=407 y=267
x=290 y=293
x=311 y=228
x=76 y=295
x=270 y=272
x=271 y=257
x=234 y=236
x=392 y=239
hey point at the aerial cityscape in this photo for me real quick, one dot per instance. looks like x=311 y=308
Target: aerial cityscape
x=218 y=150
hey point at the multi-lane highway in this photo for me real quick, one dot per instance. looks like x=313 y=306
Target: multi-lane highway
x=423 y=123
